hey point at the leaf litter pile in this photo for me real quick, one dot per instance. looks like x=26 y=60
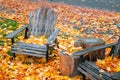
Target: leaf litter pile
x=74 y=22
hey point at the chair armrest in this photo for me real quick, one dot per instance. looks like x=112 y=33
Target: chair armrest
x=11 y=35
x=86 y=51
x=116 y=76
x=53 y=36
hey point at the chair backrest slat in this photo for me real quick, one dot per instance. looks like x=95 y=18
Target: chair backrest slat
x=42 y=22
x=49 y=23
x=36 y=22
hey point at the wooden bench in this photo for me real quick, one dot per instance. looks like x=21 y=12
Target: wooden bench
x=89 y=69
x=41 y=22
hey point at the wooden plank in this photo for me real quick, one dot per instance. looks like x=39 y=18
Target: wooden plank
x=30 y=18
x=34 y=27
x=90 y=71
x=85 y=73
x=91 y=68
x=97 y=68
x=116 y=76
x=106 y=75
x=43 y=22
x=11 y=35
x=48 y=23
x=52 y=38
x=36 y=23
x=30 y=45
x=29 y=48
x=40 y=22
x=51 y=19
x=117 y=49
x=85 y=51
x=28 y=53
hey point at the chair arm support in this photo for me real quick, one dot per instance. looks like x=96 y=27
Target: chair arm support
x=53 y=36
x=116 y=76
x=11 y=35
x=86 y=51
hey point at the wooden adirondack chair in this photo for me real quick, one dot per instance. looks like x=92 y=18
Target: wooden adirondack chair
x=89 y=69
x=41 y=22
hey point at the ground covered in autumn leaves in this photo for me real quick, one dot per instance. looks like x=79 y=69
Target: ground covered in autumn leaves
x=74 y=22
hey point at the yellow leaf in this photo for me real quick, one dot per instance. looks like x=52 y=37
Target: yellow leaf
x=117 y=69
x=27 y=78
x=5 y=49
x=1 y=36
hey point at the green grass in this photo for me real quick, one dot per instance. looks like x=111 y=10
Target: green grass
x=6 y=25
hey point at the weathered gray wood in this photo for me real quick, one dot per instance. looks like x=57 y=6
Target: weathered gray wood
x=116 y=76
x=11 y=35
x=49 y=25
x=53 y=36
x=29 y=53
x=89 y=70
x=86 y=51
x=42 y=22
x=88 y=42
x=68 y=64
x=29 y=48
x=85 y=73
x=86 y=67
x=94 y=68
x=50 y=22
x=89 y=67
x=117 y=49
x=30 y=45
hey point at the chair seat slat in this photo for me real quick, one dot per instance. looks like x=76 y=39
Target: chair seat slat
x=29 y=48
x=31 y=45
x=91 y=71
x=85 y=73
x=29 y=53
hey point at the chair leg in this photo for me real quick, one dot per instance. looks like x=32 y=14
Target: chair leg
x=47 y=56
x=26 y=34
x=83 y=77
x=51 y=51
x=13 y=56
x=57 y=43
x=112 y=51
x=47 y=53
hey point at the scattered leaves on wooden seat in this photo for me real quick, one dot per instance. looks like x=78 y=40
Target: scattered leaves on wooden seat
x=109 y=64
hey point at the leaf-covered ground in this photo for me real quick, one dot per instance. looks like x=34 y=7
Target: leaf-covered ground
x=74 y=22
